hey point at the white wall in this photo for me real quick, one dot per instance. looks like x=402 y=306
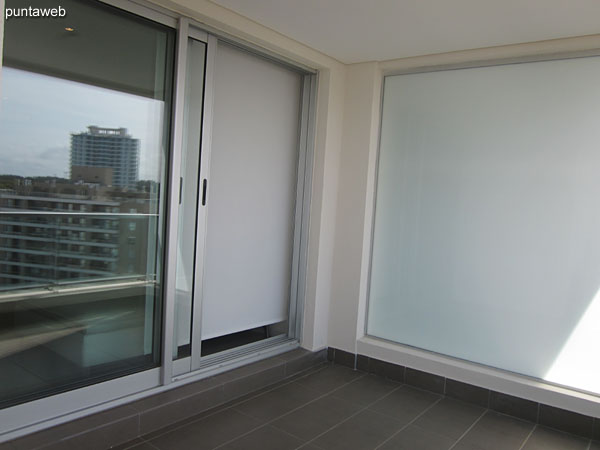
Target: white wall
x=352 y=235
x=355 y=210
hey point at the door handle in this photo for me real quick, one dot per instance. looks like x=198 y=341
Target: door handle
x=204 y=184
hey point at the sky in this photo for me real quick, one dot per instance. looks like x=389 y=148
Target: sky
x=38 y=113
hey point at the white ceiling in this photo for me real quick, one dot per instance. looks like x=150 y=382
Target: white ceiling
x=366 y=30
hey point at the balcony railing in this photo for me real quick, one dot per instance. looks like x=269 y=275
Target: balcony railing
x=52 y=249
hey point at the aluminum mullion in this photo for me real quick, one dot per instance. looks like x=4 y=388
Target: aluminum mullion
x=197 y=34
x=306 y=202
x=173 y=211
x=301 y=170
x=202 y=210
x=181 y=366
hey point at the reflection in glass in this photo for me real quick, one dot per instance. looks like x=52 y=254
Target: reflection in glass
x=82 y=156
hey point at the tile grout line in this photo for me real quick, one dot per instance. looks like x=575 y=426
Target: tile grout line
x=316 y=399
x=219 y=409
x=136 y=413
x=294 y=377
x=268 y=423
x=489 y=393
x=470 y=428
x=410 y=423
x=528 y=436
x=150 y=444
x=310 y=441
x=295 y=409
x=83 y=432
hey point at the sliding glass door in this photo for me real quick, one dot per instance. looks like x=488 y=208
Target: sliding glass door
x=239 y=192
x=188 y=199
x=250 y=200
x=84 y=127
x=153 y=206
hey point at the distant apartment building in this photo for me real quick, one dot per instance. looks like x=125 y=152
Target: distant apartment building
x=106 y=156
x=59 y=238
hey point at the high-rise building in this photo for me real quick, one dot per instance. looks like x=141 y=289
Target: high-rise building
x=58 y=238
x=98 y=149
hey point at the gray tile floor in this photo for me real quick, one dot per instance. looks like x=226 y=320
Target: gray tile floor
x=334 y=407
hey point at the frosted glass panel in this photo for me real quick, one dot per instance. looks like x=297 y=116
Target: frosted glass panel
x=487 y=225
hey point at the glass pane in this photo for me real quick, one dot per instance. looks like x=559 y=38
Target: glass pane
x=83 y=130
x=486 y=243
x=188 y=208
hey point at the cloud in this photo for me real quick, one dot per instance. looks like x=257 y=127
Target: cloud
x=39 y=113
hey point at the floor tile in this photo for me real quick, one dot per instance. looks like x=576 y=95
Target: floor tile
x=450 y=417
x=325 y=409
x=182 y=409
x=207 y=433
x=415 y=438
x=259 y=367
x=514 y=406
x=330 y=378
x=99 y=438
x=364 y=431
x=316 y=417
x=173 y=395
x=118 y=420
x=184 y=422
x=126 y=446
x=300 y=364
x=330 y=353
x=467 y=392
x=294 y=354
x=386 y=369
x=264 y=438
x=362 y=363
x=567 y=421
x=344 y=358
x=495 y=431
x=366 y=390
x=277 y=402
x=142 y=446
x=547 y=439
x=424 y=380
x=247 y=384
x=405 y=403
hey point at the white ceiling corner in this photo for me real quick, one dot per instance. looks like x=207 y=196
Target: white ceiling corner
x=366 y=30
